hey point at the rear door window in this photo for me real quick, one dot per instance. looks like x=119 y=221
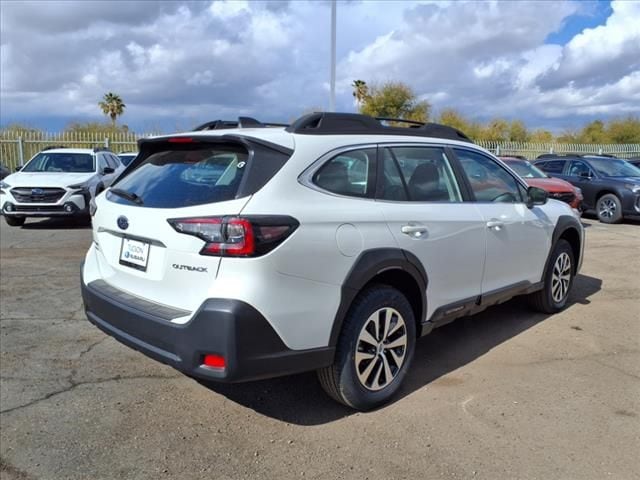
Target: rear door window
x=554 y=166
x=186 y=176
x=349 y=173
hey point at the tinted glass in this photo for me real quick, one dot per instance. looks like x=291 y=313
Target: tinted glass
x=578 y=169
x=489 y=181
x=348 y=173
x=186 y=176
x=126 y=159
x=525 y=169
x=554 y=166
x=424 y=172
x=614 y=167
x=61 y=162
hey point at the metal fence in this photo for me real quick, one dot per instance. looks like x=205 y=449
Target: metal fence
x=17 y=147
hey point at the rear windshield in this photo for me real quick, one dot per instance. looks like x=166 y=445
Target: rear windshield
x=184 y=176
x=61 y=162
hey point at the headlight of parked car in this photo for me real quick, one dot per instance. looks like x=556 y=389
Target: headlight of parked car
x=4 y=185
x=80 y=187
x=634 y=188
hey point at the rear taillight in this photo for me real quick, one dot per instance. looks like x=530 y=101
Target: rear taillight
x=237 y=236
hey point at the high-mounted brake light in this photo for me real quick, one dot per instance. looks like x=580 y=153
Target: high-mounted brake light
x=237 y=236
x=180 y=140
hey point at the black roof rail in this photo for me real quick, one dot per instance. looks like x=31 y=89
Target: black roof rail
x=242 y=122
x=101 y=149
x=330 y=123
x=51 y=147
x=559 y=156
x=507 y=157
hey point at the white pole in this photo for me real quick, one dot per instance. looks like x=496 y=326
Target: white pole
x=332 y=98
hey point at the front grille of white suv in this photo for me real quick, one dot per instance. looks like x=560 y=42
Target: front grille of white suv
x=37 y=195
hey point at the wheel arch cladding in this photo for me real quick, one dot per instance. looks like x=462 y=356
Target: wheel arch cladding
x=390 y=266
x=567 y=228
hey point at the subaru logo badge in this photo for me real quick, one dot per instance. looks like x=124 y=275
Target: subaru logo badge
x=37 y=191
x=123 y=222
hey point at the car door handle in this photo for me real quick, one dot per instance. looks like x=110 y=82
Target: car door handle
x=414 y=230
x=495 y=224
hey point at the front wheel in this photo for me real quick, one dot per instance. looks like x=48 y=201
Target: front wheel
x=374 y=350
x=609 y=209
x=557 y=282
x=14 y=221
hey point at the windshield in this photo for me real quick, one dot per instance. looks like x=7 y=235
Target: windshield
x=525 y=169
x=614 y=167
x=185 y=176
x=61 y=162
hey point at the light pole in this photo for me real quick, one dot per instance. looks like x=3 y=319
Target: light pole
x=332 y=95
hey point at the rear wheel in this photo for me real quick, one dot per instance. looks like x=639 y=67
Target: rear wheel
x=558 y=280
x=609 y=208
x=374 y=350
x=15 y=221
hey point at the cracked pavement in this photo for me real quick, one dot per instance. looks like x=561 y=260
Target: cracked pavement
x=505 y=394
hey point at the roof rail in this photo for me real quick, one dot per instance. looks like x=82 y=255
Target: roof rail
x=560 y=155
x=242 y=122
x=51 y=147
x=329 y=123
x=101 y=149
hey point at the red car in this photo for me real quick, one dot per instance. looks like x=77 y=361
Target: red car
x=558 y=189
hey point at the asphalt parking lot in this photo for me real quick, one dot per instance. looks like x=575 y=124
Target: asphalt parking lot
x=504 y=394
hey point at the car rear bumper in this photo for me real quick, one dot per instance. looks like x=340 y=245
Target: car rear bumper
x=229 y=328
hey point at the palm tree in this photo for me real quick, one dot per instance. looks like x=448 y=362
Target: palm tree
x=360 y=91
x=113 y=106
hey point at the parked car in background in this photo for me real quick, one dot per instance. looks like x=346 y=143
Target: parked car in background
x=635 y=161
x=558 y=189
x=610 y=186
x=331 y=245
x=57 y=182
x=4 y=170
x=127 y=157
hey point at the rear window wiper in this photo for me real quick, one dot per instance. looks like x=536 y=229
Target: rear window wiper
x=128 y=195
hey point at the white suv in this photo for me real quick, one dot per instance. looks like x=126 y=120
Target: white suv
x=57 y=182
x=333 y=244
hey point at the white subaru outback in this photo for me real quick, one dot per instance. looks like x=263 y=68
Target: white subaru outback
x=244 y=251
x=57 y=182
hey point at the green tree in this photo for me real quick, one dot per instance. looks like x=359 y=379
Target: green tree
x=360 y=91
x=593 y=132
x=394 y=100
x=112 y=106
x=497 y=130
x=541 y=136
x=624 y=130
x=518 y=131
x=95 y=127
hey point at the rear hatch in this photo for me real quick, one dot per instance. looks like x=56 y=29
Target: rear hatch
x=149 y=225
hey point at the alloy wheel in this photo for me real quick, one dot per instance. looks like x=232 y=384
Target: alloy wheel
x=561 y=277
x=381 y=348
x=607 y=208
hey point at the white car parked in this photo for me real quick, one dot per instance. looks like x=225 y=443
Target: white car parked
x=333 y=244
x=57 y=182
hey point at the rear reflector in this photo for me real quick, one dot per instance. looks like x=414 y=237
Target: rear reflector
x=237 y=236
x=214 y=361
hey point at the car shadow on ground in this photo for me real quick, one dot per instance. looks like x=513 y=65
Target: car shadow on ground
x=57 y=224
x=300 y=400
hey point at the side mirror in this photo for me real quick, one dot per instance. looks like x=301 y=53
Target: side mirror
x=18 y=168
x=536 y=196
x=585 y=175
x=107 y=170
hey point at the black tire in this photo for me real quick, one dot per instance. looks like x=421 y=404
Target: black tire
x=543 y=300
x=341 y=380
x=15 y=221
x=609 y=208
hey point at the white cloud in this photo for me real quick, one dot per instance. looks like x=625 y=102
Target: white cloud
x=193 y=61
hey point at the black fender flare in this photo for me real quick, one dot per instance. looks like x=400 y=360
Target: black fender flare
x=369 y=264
x=565 y=223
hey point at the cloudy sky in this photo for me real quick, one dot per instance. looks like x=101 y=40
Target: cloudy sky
x=176 y=63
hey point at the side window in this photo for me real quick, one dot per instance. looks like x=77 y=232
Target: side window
x=102 y=162
x=114 y=162
x=418 y=174
x=578 y=168
x=555 y=166
x=489 y=181
x=349 y=173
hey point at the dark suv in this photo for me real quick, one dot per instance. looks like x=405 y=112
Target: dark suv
x=611 y=186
